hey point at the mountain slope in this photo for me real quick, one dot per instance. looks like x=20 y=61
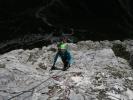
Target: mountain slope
x=96 y=73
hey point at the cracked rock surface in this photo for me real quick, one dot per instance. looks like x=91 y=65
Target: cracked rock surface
x=95 y=74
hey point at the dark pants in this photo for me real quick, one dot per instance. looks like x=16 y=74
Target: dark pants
x=66 y=64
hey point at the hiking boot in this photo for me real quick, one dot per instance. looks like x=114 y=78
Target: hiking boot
x=53 y=68
x=64 y=69
x=68 y=66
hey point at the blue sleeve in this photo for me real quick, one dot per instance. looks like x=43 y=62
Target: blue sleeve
x=55 y=58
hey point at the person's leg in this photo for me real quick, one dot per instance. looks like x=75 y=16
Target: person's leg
x=66 y=65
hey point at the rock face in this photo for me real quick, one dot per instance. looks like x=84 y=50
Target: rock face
x=96 y=73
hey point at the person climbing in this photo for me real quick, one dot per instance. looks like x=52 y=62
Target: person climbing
x=64 y=54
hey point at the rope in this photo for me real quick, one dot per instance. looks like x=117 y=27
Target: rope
x=32 y=89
